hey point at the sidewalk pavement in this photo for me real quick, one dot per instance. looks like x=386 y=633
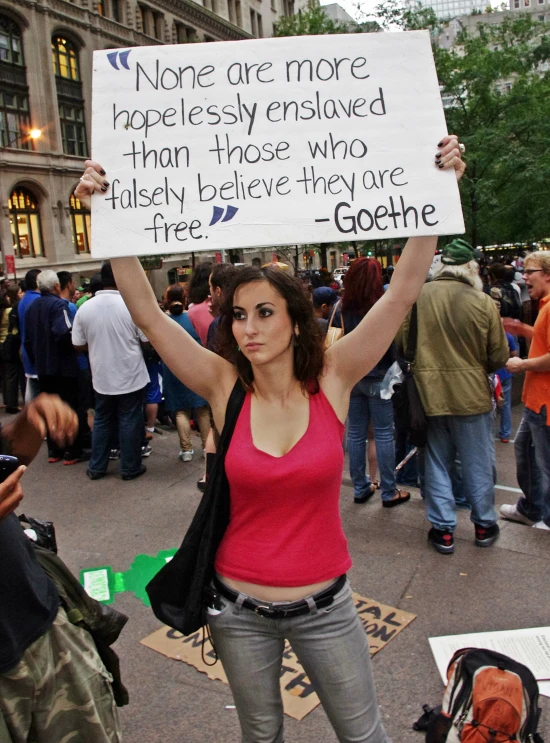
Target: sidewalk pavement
x=109 y=522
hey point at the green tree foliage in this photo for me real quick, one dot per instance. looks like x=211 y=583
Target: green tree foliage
x=495 y=82
x=496 y=88
x=499 y=104
x=313 y=21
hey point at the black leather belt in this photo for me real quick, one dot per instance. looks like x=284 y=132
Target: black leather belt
x=283 y=611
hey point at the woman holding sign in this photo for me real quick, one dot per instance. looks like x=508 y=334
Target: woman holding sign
x=281 y=565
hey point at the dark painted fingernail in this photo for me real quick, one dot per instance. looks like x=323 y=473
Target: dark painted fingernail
x=440 y=144
x=103 y=189
x=106 y=183
x=440 y=165
x=438 y=155
x=102 y=172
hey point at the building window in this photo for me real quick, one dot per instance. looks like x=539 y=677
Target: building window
x=185 y=34
x=288 y=7
x=11 y=48
x=516 y=3
x=256 y=24
x=14 y=94
x=14 y=120
x=159 y=25
x=73 y=129
x=115 y=8
x=25 y=224
x=69 y=97
x=232 y=12
x=65 y=59
x=80 y=218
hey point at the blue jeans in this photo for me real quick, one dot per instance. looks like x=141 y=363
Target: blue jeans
x=333 y=648
x=125 y=413
x=532 y=449
x=506 y=410
x=365 y=405
x=471 y=438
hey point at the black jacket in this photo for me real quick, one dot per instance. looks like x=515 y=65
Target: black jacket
x=48 y=342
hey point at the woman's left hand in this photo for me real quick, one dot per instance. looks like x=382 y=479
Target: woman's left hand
x=450 y=155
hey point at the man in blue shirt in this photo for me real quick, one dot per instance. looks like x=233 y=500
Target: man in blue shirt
x=67 y=291
x=31 y=294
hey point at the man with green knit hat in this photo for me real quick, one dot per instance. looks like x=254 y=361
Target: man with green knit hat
x=460 y=341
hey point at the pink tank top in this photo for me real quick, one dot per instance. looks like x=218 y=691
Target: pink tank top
x=285 y=527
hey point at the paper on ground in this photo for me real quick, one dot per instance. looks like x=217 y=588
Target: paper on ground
x=528 y=646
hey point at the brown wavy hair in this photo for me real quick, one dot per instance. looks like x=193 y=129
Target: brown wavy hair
x=362 y=285
x=308 y=349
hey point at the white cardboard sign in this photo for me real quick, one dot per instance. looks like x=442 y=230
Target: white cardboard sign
x=269 y=142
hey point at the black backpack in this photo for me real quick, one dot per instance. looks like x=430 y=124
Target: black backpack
x=489 y=698
x=510 y=304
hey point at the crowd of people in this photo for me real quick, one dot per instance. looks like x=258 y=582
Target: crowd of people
x=123 y=353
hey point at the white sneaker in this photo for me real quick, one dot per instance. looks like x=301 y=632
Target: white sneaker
x=541 y=525
x=146 y=451
x=512 y=514
x=186 y=456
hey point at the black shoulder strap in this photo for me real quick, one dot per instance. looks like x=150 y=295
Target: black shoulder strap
x=234 y=405
x=412 y=337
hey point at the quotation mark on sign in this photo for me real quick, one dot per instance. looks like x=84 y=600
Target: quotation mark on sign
x=122 y=57
x=219 y=210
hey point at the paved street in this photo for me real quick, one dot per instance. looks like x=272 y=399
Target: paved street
x=109 y=522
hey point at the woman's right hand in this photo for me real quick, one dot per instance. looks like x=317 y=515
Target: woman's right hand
x=91 y=181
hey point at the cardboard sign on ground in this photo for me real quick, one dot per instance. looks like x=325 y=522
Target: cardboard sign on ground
x=382 y=623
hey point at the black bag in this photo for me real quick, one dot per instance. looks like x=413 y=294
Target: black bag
x=44 y=530
x=406 y=399
x=510 y=303
x=104 y=623
x=490 y=698
x=12 y=342
x=177 y=590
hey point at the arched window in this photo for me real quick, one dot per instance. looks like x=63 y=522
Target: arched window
x=25 y=223
x=80 y=218
x=11 y=48
x=65 y=58
x=14 y=94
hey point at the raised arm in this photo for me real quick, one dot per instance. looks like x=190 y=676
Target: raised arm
x=203 y=371
x=357 y=353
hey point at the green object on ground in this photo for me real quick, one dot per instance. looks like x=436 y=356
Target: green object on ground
x=102 y=583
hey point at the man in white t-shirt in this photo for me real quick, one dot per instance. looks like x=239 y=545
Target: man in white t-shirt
x=103 y=327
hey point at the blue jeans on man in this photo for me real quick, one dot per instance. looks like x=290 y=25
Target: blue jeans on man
x=125 y=413
x=470 y=437
x=365 y=406
x=506 y=410
x=532 y=449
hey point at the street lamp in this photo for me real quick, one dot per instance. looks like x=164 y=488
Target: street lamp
x=33 y=134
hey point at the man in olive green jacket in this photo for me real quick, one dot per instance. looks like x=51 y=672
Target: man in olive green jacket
x=460 y=341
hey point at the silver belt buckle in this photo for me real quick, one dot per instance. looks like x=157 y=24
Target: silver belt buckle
x=258 y=610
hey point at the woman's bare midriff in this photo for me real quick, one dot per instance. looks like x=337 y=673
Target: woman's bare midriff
x=275 y=593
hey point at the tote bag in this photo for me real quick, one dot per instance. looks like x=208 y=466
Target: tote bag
x=177 y=590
